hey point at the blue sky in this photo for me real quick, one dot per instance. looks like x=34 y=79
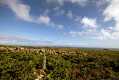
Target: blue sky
x=80 y=23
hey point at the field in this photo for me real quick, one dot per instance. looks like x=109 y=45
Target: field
x=38 y=63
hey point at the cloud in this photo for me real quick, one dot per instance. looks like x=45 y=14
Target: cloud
x=44 y=20
x=55 y=25
x=106 y=34
x=56 y=8
x=74 y=33
x=17 y=40
x=5 y=39
x=62 y=2
x=22 y=11
x=111 y=13
x=12 y=38
x=60 y=26
x=101 y=3
x=69 y=14
x=89 y=30
x=58 y=11
x=84 y=34
x=89 y=22
x=80 y=2
x=77 y=18
x=113 y=6
x=97 y=35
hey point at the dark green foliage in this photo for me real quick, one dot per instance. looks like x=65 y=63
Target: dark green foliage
x=18 y=66
x=96 y=65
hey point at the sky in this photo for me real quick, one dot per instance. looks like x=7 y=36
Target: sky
x=75 y=23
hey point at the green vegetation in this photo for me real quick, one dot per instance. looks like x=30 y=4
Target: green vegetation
x=62 y=64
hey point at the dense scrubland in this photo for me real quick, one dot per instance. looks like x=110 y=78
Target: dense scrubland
x=26 y=63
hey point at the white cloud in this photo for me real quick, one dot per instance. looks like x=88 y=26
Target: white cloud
x=21 y=10
x=18 y=40
x=77 y=18
x=75 y=34
x=106 y=34
x=60 y=12
x=69 y=14
x=101 y=3
x=112 y=13
x=56 y=8
x=80 y=2
x=89 y=22
x=98 y=35
x=90 y=28
x=61 y=2
x=60 y=26
x=84 y=34
x=47 y=21
x=44 y=20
